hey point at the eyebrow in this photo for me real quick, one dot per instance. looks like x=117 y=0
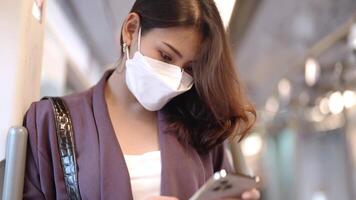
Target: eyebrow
x=173 y=49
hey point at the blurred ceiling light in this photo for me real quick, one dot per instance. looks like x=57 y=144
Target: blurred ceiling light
x=284 y=88
x=252 y=145
x=272 y=105
x=349 y=98
x=225 y=7
x=336 y=103
x=37 y=10
x=316 y=115
x=312 y=71
x=352 y=37
x=324 y=106
x=353 y=43
x=330 y=122
x=319 y=195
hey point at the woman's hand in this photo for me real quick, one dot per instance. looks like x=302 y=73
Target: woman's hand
x=253 y=194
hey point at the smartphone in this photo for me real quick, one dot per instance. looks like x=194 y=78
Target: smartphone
x=225 y=185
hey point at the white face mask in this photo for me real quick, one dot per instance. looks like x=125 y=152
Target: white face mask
x=153 y=82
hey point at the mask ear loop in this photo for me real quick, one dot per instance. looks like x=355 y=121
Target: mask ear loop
x=125 y=46
x=139 y=40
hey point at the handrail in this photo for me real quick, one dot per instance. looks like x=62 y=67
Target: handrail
x=16 y=148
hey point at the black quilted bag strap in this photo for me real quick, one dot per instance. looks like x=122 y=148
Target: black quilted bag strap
x=66 y=146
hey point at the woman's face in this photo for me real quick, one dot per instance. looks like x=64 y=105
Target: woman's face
x=175 y=45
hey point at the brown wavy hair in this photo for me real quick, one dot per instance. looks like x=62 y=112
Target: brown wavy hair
x=216 y=108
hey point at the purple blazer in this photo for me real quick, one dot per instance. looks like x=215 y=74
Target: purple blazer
x=102 y=171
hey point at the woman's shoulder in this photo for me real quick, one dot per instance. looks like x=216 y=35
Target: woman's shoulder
x=43 y=107
x=39 y=117
x=78 y=97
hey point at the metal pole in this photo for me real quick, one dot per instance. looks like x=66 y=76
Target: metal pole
x=15 y=163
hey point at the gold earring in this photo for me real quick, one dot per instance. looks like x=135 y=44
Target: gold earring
x=124 y=47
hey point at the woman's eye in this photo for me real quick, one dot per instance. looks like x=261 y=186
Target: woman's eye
x=166 y=58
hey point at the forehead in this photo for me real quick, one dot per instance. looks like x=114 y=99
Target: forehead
x=186 y=39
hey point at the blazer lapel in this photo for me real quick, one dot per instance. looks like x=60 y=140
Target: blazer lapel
x=182 y=169
x=114 y=175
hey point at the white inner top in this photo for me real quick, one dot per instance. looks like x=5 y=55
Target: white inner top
x=145 y=174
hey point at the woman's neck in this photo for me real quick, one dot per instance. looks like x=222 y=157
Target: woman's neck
x=117 y=94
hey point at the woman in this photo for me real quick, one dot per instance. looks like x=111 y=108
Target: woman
x=155 y=126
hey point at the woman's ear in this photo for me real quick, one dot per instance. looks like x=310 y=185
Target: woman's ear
x=130 y=28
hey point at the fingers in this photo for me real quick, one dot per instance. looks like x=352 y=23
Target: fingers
x=253 y=194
